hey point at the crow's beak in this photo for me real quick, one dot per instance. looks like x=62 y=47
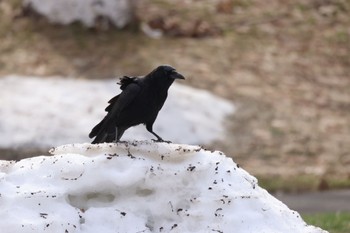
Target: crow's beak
x=176 y=75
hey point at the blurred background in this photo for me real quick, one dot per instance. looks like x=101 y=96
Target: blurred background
x=284 y=66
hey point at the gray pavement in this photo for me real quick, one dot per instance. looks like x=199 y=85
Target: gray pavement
x=317 y=202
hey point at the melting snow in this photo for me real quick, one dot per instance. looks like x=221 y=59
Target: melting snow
x=137 y=187
x=118 y=12
x=46 y=112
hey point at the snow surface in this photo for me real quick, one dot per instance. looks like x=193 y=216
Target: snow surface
x=47 y=112
x=119 y=12
x=137 y=186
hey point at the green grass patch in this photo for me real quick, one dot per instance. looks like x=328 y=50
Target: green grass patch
x=302 y=183
x=288 y=184
x=332 y=222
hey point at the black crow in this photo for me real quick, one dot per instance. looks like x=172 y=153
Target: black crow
x=138 y=103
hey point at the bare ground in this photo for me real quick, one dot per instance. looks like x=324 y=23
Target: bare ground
x=285 y=64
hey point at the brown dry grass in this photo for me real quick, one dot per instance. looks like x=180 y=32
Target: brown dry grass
x=285 y=64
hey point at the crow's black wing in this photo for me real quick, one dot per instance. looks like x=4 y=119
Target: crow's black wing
x=117 y=105
x=124 y=82
x=111 y=103
x=123 y=100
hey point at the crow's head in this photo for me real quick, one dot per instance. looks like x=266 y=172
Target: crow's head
x=168 y=72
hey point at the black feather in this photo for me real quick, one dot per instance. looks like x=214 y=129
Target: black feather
x=138 y=103
x=125 y=81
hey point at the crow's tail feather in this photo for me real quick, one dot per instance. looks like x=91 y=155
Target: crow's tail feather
x=96 y=129
x=100 y=138
x=103 y=132
x=104 y=136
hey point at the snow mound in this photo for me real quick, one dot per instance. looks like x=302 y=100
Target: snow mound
x=47 y=112
x=137 y=186
x=119 y=12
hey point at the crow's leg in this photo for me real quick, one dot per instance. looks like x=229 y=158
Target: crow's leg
x=159 y=139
